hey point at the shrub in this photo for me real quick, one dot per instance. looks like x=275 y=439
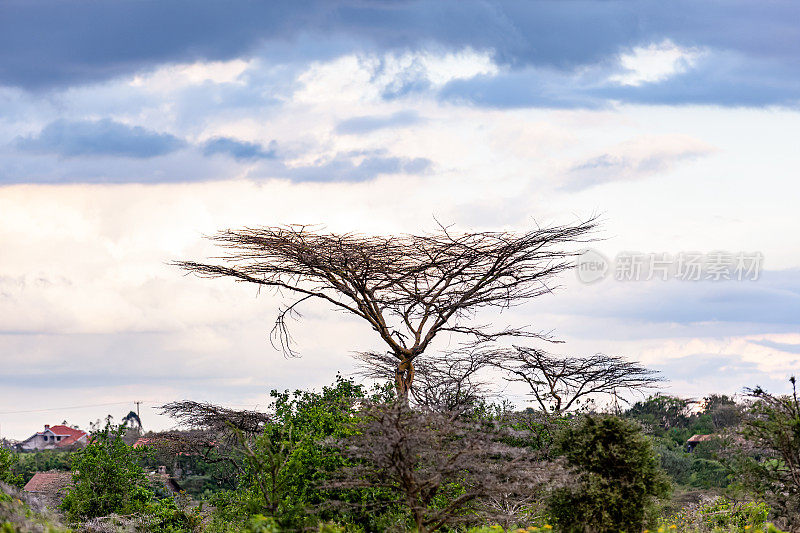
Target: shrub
x=7 y=475
x=720 y=515
x=19 y=514
x=620 y=479
x=675 y=461
x=109 y=482
x=107 y=479
x=724 y=513
x=767 y=462
x=286 y=467
x=28 y=464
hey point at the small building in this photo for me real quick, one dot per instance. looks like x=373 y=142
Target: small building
x=694 y=440
x=54 y=438
x=50 y=486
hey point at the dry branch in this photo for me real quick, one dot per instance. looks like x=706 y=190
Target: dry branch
x=408 y=288
x=559 y=384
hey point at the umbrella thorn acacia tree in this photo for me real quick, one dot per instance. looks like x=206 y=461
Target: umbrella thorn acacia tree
x=408 y=288
x=559 y=383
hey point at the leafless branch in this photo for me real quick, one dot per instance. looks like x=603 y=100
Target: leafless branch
x=417 y=453
x=443 y=382
x=408 y=288
x=559 y=384
x=209 y=417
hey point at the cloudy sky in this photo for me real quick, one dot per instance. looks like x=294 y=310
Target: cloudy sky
x=130 y=129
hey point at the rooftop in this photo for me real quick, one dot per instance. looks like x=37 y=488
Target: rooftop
x=51 y=482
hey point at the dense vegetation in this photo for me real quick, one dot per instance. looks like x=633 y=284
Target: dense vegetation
x=350 y=459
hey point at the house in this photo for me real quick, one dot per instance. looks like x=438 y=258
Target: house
x=50 y=486
x=694 y=440
x=54 y=438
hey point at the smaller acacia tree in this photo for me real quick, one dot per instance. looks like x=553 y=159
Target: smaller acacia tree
x=446 y=382
x=443 y=469
x=216 y=420
x=771 y=442
x=559 y=384
x=211 y=433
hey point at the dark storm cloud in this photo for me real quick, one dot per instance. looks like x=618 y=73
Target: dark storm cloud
x=48 y=43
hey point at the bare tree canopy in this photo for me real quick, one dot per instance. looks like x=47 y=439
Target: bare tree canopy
x=210 y=431
x=216 y=419
x=416 y=454
x=560 y=383
x=448 y=382
x=409 y=288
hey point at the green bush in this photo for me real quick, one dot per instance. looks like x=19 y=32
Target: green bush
x=288 y=465
x=7 y=461
x=620 y=478
x=726 y=514
x=708 y=474
x=721 y=515
x=108 y=480
x=41 y=461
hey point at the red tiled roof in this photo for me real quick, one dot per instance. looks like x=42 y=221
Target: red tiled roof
x=72 y=435
x=72 y=439
x=63 y=431
x=50 y=482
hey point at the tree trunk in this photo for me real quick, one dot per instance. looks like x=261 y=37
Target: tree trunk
x=403 y=378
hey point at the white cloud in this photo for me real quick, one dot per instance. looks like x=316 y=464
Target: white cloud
x=170 y=78
x=368 y=78
x=655 y=62
x=439 y=69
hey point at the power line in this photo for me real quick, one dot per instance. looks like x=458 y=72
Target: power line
x=252 y=406
x=62 y=408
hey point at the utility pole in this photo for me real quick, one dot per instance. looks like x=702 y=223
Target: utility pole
x=139 y=417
